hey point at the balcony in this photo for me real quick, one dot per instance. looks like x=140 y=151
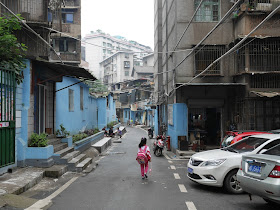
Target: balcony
x=31 y=11
x=66 y=57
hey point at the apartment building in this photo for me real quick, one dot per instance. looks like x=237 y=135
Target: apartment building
x=65 y=17
x=116 y=68
x=240 y=90
x=99 y=46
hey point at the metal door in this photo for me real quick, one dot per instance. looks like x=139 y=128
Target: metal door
x=7 y=117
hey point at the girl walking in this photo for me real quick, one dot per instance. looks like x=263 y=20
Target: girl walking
x=144 y=157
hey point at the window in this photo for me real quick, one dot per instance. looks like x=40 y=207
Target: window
x=49 y=16
x=126 y=64
x=71 y=100
x=67 y=18
x=208 y=12
x=274 y=151
x=126 y=73
x=104 y=44
x=81 y=98
x=104 y=50
x=63 y=45
x=126 y=55
x=205 y=55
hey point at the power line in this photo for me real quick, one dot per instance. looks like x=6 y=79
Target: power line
x=188 y=25
x=207 y=35
x=231 y=50
x=22 y=22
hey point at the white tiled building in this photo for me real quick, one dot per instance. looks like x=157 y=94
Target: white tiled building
x=99 y=46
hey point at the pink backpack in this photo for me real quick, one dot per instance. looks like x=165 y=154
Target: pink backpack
x=141 y=156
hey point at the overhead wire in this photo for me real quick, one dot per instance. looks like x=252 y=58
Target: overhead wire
x=205 y=37
x=229 y=51
x=22 y=22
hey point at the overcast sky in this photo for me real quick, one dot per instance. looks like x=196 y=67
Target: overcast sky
x=132 y=19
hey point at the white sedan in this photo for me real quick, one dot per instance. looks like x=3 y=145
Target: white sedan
x=219 y=167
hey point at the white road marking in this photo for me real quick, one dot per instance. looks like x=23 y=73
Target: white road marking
x=173 y=167
x=182 y=188
x=176 y=176
x=168 y=158
x=47 y=202
x=169 y=161
x=190 y=206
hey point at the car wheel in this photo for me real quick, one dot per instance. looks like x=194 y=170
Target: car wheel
x=230 y=183
x=269 y=202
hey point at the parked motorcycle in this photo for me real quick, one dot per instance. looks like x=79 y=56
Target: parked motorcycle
x=150 y=133
x=158 y=145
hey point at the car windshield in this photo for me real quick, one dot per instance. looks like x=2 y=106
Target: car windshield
x=226 y=141
x=247 y=145
x=273 y=151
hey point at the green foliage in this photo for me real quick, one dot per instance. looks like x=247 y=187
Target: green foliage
x=92 y=131
x=37 y=140
x=62 y=132
x=97 y=87
x=79 y=137
x=11 y=51
x=111 y=124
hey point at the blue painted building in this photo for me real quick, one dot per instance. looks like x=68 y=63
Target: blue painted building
x=43 y=103
x=75 y=108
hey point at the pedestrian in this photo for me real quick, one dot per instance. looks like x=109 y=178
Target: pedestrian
x=119 y=133
x=105 y=131
x=144 y=157
x=111 y=132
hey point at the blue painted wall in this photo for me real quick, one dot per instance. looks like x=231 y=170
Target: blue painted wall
x=102 y=112
x=126 y=115
x=111 y=109
x=22 y=106
x=77 y=120
x=156 y=125
x=180 y=124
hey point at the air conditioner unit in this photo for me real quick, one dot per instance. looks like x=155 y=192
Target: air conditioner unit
x=267 y=7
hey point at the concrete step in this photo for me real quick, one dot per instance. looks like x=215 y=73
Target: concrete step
x=54 y=141
x=56 y=171
x=21 y=180
x=75 y=161
x=65 y=151
x=90 y=168
x=68 y=157
x=59 y=147
x=82 y=165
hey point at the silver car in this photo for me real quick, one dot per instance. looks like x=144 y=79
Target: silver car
x=259 y=174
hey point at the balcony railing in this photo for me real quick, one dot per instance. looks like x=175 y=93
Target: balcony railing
x=67 y=56
x=30 y=10
x=262 y=5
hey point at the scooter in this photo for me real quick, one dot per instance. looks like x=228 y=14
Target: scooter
x=158 y=146
x=150 y=133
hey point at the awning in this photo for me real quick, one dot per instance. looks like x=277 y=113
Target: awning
x=266 y=93
x=65 y=70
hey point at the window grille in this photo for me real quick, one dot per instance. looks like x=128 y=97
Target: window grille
x=206 y=55
x=260 y=55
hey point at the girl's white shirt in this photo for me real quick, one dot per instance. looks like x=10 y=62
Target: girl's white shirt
x=142 y=148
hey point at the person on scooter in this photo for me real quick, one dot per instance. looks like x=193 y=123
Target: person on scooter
x=145 y=167
x=150 y=133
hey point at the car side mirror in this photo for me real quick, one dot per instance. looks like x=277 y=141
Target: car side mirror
x=262 y=151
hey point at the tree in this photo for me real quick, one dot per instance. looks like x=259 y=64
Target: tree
x=11 y=51
x=97 y=87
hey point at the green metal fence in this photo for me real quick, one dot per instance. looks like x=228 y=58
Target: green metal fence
x=7 y=117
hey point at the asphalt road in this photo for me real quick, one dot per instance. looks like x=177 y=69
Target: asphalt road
x=116 y=184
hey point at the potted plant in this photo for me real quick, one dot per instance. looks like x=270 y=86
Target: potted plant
x=64 y=135
x=62 y=132
x=37 y=140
